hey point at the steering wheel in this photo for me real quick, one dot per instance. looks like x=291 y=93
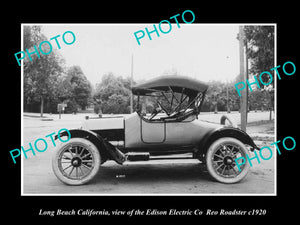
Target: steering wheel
x=154 y=113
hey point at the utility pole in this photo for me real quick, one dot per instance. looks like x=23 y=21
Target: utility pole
x=247 y=77
x=243 y=109
x=227 y=95
x=131 y=82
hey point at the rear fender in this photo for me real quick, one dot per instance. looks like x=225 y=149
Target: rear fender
x=106 y=150
x=233 y=132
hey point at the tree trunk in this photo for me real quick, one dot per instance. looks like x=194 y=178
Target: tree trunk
x=271 y=104
x=216 y=108
x=42 y=106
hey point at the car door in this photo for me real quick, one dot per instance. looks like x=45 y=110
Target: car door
x=153 y=132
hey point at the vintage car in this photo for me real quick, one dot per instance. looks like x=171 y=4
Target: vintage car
x=172 y=127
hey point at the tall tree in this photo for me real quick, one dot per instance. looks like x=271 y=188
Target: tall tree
x=78 y=87
x=41 y=72
x=113 y=94
x=260 y=51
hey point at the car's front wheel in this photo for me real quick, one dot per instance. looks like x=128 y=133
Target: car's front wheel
x=220 y=160
x=76 y=162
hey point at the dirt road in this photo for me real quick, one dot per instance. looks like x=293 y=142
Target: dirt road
x=159 y=177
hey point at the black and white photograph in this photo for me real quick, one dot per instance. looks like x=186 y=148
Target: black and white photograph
x=132 y=114
x=148 y=109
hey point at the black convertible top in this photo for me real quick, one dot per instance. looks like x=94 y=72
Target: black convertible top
x=179 y=84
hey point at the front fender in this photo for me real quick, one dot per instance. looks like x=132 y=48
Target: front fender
x=225 y=131
x=106 y=150
x=75 y=133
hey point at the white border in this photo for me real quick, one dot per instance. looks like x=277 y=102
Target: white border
x=22 y=107
x=151 y=194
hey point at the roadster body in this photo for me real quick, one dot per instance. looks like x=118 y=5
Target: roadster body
x=165 y=123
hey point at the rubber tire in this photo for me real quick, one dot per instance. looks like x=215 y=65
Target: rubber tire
x=87 y=144
x=209 y=164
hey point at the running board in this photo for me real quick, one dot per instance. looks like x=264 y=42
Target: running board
x=145 y=156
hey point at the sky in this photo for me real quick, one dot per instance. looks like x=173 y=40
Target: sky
x=202 y=51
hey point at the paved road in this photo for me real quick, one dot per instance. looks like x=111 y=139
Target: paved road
x=152 y=177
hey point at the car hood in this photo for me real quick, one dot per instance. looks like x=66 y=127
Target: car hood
x=104 y=123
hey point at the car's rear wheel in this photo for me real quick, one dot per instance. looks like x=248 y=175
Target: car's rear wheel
x=220 y=160
x=76 y=162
